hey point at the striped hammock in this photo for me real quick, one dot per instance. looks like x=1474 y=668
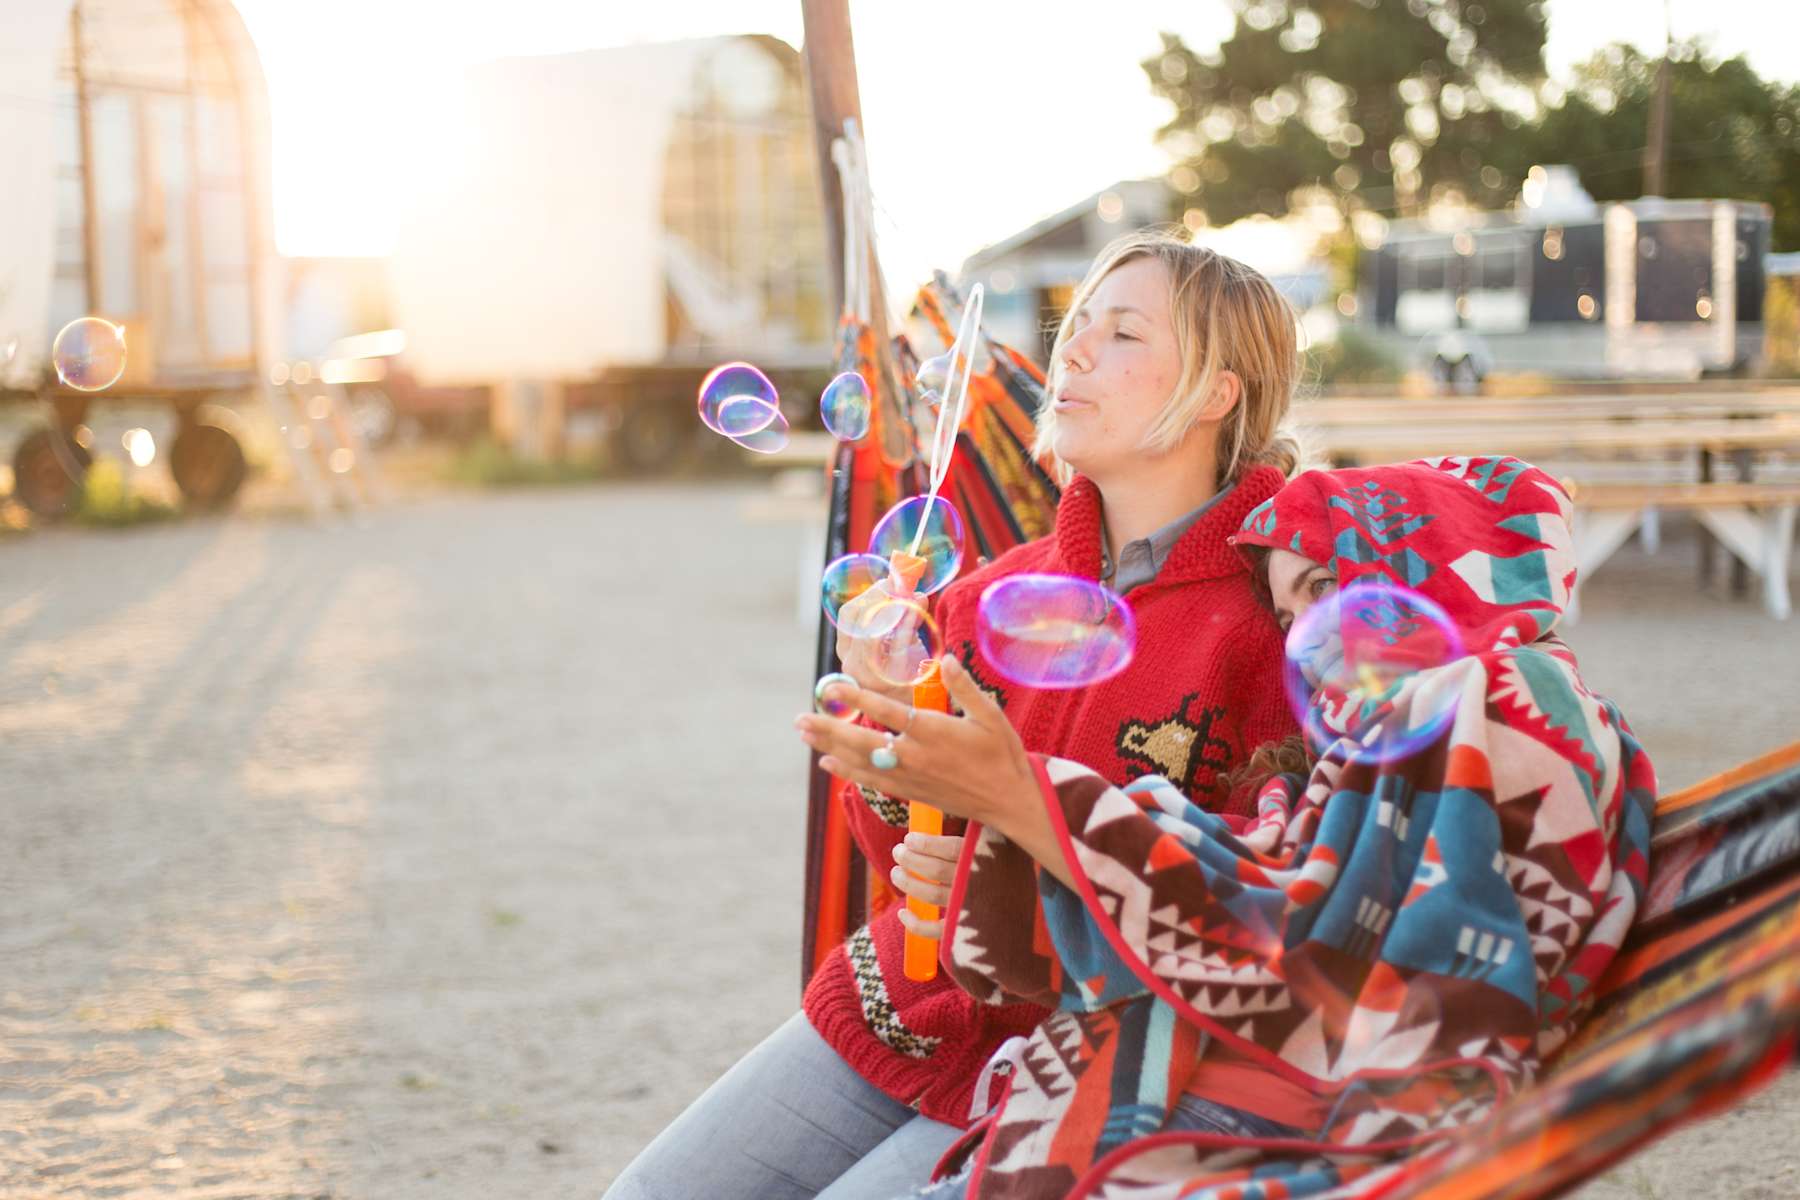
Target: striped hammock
x=1701 y=1007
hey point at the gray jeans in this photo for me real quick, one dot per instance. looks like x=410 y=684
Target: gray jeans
x=790 y=1121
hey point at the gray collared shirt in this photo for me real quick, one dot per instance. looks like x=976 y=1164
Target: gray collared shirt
x=1142 y=560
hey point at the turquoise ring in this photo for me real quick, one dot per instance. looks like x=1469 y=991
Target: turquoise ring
x=883 y=758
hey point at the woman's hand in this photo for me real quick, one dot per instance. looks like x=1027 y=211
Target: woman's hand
x=861 y=655
x=973 y=766
x=926 y=867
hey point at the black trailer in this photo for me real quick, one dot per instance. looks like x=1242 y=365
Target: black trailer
x=1647 y=287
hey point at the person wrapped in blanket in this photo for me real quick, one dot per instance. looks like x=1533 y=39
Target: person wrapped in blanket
x=1289 y=1005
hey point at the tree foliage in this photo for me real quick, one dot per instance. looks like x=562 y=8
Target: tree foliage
x=1731 y=134
x=1389 y=102
x=1391 y=105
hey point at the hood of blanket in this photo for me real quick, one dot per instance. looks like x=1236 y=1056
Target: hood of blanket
x=1487 y=539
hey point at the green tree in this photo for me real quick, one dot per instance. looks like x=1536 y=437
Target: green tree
x=1731 y=134
x=1380 y=104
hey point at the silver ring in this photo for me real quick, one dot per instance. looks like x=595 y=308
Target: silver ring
x=883 y=757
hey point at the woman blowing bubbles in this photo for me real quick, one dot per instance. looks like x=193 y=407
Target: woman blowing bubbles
x=1170 y=377
x=1393 y=944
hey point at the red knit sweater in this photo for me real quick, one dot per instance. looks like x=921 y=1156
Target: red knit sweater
x=1202 y=691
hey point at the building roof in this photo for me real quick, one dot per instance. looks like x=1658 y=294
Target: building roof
x=1138 y=194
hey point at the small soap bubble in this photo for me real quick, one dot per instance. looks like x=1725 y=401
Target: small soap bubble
x=89 y=354
x=903 y=637
x=934 y=372
x=847 y=578
x=827 y=703
x=737 y=400
x=936 y=375
x=770 y=437
x=844 y=407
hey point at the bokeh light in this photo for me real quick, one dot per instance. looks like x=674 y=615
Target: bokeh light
x=140 y=446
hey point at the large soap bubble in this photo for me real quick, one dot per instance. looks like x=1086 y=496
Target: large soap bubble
x=1355 y=664
x=928 y=527
x=1054 y=631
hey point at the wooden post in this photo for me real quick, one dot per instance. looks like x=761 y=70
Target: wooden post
x=831 y=78
x=830 y=56
x=90 y=237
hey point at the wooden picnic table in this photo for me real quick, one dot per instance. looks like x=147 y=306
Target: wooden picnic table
x=1755 y=529
x=1580 y=436
x=1442 y=410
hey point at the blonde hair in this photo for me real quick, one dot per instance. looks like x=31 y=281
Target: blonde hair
x=1228 y=317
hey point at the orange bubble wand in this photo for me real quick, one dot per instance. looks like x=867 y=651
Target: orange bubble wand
x=921 y=956
x=905 y=569
x=921 y=959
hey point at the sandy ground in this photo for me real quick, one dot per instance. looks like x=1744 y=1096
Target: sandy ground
x=451 y=851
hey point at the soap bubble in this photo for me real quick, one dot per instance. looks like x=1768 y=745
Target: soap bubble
x=737 y=400
x=1054 y=631
x=941 y=546
x=847 y=578
x=1355 y=669
x=768 y=438
x=903 y=636
x=89 y=354
x=935 y=375
x=844 y=407
x=829 y=705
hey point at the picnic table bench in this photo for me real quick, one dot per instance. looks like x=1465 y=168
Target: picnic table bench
x=1386 y=410
x=1530 y=439
x=1755 y=521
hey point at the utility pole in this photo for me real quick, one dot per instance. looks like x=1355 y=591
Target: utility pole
x=1656 y=147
